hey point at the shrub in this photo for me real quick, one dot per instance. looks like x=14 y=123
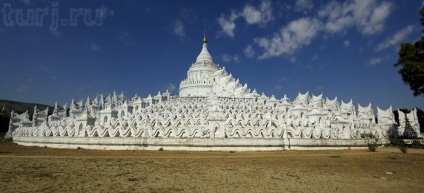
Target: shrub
x=161 y=149
x=371 y=140
x=396 y=141
x=402 y=148
x=416 y=144
x=372 y=146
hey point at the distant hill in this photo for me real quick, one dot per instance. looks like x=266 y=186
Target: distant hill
x=20 y=107
x=7 y=106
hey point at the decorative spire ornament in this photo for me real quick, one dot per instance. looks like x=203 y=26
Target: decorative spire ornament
x=205 y=41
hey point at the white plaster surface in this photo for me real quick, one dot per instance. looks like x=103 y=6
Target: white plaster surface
x=192 y=144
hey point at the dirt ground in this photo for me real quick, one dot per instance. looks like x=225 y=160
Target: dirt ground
x=37 y=169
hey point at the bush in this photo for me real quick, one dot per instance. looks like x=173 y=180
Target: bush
x=372 y=146
x=416 y=144
x=371 y=140
x=396 y=142
x=161 y=149
x=402 y=148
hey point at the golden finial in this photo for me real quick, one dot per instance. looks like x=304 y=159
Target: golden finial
x=204 y=38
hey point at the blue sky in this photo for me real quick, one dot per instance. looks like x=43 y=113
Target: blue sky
x=339 y=48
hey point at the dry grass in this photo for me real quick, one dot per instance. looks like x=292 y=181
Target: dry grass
x=36 y=169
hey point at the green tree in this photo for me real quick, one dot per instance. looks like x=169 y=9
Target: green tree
x=409 y=132
x=411 y=60
x=4 y=121
x=422 y=17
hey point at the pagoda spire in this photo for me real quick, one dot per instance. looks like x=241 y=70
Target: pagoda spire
x=204 y=54
x=205 y=41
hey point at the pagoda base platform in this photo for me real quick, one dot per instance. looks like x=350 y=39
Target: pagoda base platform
x=192 y=144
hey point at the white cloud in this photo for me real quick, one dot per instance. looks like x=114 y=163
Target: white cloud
x=95 y=47
x=26 y=2
x=346 y=43
x=371 y=17
x=22 y=88
x=249 y=52
x=56 y=33
x=179 y=28
x=368 y=16
x=236 y=58
x=282 y=79
x=304 y=5
x=189 y=15
x=229 y=58
x=375 y=61
x=338 y=16
x=278 y=87
x=227 y=24
x=260 y=15
x=106 y=12
x=126 y=39
x=226 y=58
x=290 y=38
x=398 y=37
x=171 y=87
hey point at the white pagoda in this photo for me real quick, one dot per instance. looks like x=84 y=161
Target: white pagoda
x=205 y=77
x=213 y=111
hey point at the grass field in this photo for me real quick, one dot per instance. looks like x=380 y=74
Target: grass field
x=35 y=169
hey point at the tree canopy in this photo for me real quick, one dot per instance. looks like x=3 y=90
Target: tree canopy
x=422 y=17
x=411 y=60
